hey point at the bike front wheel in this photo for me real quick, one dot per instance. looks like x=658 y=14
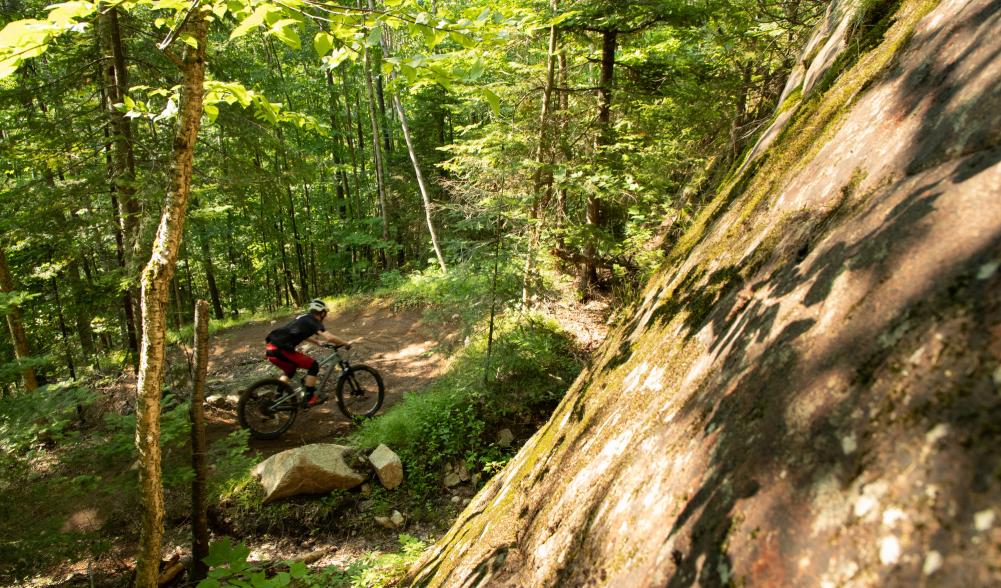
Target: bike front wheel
x=360 y=391
x=268 y=408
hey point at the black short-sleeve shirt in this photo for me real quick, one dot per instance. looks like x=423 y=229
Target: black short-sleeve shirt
x=291 y=335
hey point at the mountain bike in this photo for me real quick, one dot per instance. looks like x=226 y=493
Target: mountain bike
x=269 y=406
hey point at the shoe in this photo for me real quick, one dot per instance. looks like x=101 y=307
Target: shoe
x=311 y=401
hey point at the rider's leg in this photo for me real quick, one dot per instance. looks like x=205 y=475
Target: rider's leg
x=310 y=381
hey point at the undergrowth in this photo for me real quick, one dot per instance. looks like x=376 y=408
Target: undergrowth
x=530 y=366
x=67 y=476
x=230 y=566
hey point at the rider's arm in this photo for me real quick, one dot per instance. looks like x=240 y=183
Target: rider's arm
x=328 y=337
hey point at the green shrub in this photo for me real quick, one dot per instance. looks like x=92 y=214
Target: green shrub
x=230 y=568
x=530 y=366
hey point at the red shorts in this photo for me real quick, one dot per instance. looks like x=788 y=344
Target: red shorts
x=289 y=361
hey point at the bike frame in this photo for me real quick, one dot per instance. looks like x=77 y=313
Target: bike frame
x=327 y=365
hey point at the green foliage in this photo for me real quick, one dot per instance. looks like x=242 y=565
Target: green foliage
x=48 y=415
x=531 y=365
x=231 y=568
x=462 y=293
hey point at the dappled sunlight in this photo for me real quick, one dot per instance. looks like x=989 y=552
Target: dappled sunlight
x=83 y=521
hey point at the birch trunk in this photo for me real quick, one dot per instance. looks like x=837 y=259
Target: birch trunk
x=420 y=181
x=155 y=285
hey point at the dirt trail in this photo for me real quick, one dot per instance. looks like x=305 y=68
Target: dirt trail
x=397 y=343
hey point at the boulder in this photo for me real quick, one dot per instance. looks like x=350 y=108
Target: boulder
x=312 y=469
x=388 y=466
x=452 y=479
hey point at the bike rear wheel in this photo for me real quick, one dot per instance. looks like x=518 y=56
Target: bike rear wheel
x=268 y=408
x=360 y=391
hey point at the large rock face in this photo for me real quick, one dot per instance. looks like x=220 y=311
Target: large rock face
x=809 y=394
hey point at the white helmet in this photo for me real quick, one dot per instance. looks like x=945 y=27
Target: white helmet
x=317 y=305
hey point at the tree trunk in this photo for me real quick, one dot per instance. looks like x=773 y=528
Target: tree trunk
x=121 y=168
x=199 y=512
x=155 y=282
x=377 y=153
x=21 y=349
x=297 y=241
x=209 y=268
x=541 y=176
x=420 y=182
x=63 y=331
x=589 y=275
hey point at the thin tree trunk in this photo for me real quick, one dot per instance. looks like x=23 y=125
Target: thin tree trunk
x=377 y=152
x=121 y=170
x=21 y=349
x=63 y=331
x=231 y=256
x=589 y=275
x=199 y=512
x=420 y=182
x=209 y=268
x=81 y=313
x=541 y=156
x=297 y=240
x=155 y=282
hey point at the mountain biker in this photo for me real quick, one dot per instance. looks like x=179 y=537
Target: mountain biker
x=281 y=344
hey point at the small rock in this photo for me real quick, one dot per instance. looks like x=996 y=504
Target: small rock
x=385 y=522
x=988 y=269
x=474 y=479
x=397 y=519
x=889 y=550
x=388 y=466
x=505 y=438
x=462 y=471
x=457 y=499
x=933 y=563
x=466 y=501
x=452 y=479
x=366 y=489
x=983 y=520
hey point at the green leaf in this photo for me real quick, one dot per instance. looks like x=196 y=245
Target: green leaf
x=298 y=570
x=444 y=78
x=211 y=111
x=251 y=22
x=337 y=57
x=286 y=34
x=67 y=13
x=189 y=40
x=476 y=70
x=209 y=583
x=409 y=72
x=464 y=40
x=323 y=43
x=492 y=98
x=374 y=37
